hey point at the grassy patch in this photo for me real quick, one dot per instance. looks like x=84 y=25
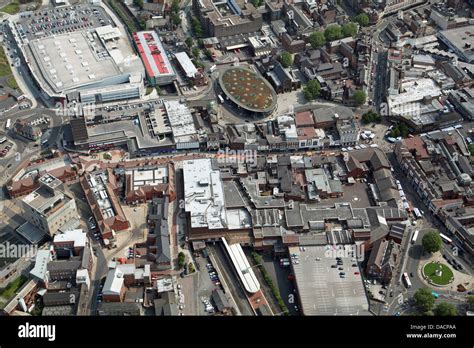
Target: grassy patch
x=13 y=287
x=11 y=82
x=11 y=8
x=5 y=69
x=446 y=273
x=149 y=89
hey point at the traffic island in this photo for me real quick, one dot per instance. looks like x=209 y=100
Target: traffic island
x=438 y=274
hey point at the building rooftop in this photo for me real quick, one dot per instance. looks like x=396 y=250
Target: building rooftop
x=204 y=194
x=248 y=89
x=78 y=237
x=242 y=267
x=153 y=54
x=181 y=121
x=462 y=40
x=81 y=59
x=41 y=264
x=321 y=290
x=413 y=91
x=186 y=64
x=47 y=199
x=147 y=176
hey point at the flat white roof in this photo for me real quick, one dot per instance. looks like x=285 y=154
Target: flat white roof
x=204 y=194
x=148 y=177
x=77 y=236
x=242 y=266
x=181 y=119
x=413 y=91
x=114 y=282
x=41 y=264
x=186 y=64
x=107 y=32
x=115 y=278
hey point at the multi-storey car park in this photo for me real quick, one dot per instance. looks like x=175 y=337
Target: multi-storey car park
x=78 y=49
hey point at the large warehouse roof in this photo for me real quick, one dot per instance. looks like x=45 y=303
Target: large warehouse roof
x=69 y=61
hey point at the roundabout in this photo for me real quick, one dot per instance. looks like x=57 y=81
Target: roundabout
x=437 y=273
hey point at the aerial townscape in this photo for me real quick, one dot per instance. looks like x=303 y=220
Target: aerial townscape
x=237 y=158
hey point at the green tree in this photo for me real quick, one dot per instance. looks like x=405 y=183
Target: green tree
x=400 y=130
x=403 y=130
x=191 y=268
x=312 y=90
x=333 y=32
x=138 y=3
x=362 y=19
x=349 y=29
x=175 y=6
x=424 y=299
x=196 y=52
x=208 y=53
x=432 y=241
x=197 y=28
x=143 y=24
x=189 y=42
x=198 y=64
x=175 y=19
x=257 y=3
x=360 y=97
x=470 y=301
x=446 y=310
x=471 y=149
x=317 y=40
x=181 y=259
x=371 y=116
x=286 y=59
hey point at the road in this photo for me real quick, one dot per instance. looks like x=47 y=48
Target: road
x=415 y=255
x=24 y=147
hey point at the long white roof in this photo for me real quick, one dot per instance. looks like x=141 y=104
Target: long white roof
x=242 y=266
x=188 y=66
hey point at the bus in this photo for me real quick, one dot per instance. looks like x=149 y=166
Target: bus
x=407 y=281
x=220 y=98
x=445 y=239
x=415 y=236
x=8 y=124
x=417 y=213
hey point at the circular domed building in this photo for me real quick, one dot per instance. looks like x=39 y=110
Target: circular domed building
x=248 y=91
